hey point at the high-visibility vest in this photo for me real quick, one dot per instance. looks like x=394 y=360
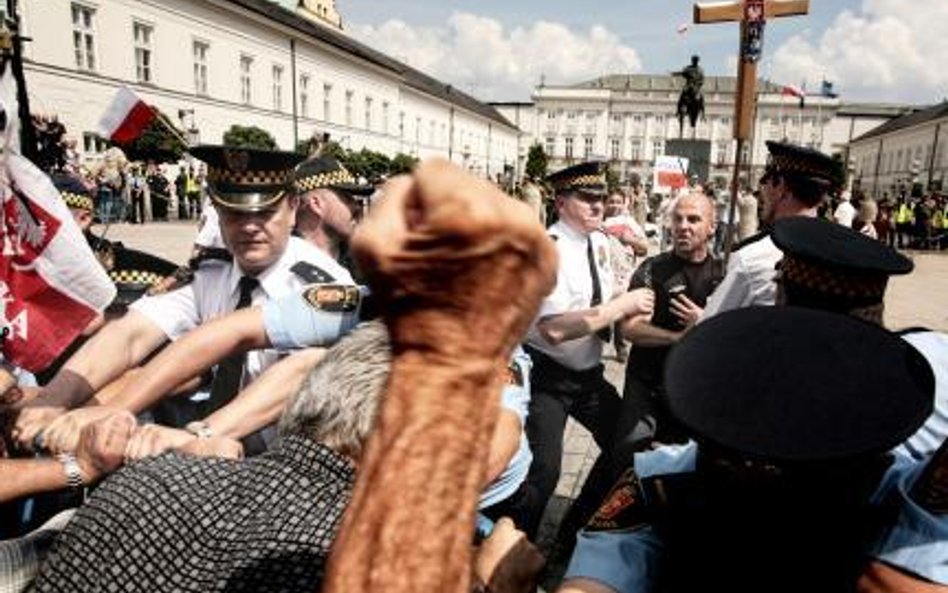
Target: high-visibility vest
x=904 y=214
x=938 y=219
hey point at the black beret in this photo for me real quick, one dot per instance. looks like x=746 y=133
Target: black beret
x=788 y=384
x=327 y=172
x=831 y=259
x=246 y=179
x=588 y=177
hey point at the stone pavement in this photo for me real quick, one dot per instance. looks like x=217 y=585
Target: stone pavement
x=918 y=299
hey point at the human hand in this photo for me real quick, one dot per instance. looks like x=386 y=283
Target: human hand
x=450 y=256
x=153 y=439
x=507 y=561
x=63 y=433
x=102 y=444
x=214 y=447
x=31 y=421
x=635 y=303
x=685 y=310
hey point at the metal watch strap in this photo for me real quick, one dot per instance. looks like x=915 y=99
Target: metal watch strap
x=200 y=429
x=73 y=471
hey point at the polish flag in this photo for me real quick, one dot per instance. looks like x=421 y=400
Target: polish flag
x=51 y=285
x=126 y=118
x=792 y=90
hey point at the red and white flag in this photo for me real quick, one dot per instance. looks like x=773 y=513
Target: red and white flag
x=51 y=285
x=792 y=90
x=126 y=118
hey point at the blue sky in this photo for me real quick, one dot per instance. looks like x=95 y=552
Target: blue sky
x=874 y=50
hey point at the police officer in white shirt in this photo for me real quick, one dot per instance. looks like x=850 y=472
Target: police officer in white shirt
x=565 y=341
x=257 y=213
x=794 y=183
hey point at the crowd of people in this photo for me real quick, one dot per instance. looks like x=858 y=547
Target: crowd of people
x=349 y=383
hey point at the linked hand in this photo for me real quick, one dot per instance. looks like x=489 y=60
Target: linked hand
x=152 y=439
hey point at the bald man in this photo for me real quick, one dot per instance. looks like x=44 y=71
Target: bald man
x=682 y=279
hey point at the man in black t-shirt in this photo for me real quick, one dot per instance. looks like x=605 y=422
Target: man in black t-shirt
x=682 y=279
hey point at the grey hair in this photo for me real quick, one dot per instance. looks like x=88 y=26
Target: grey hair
x=339 y=400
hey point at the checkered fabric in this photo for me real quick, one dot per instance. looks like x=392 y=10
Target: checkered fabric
x=135 y=277
x=788 y=163
x=328 y=179
x=77 y=201
x=180 y=523
x=247 y=178
x=837 y=282
x=596 y=181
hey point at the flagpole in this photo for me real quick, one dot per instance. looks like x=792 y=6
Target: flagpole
x=161 y=118
x=28 y=146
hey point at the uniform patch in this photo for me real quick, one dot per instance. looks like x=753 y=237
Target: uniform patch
x=624 y=507
x=334 y=298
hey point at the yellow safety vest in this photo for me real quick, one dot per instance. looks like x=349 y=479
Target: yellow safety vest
x=904 y=214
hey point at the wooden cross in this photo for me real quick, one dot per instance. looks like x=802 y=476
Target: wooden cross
x=751 y=14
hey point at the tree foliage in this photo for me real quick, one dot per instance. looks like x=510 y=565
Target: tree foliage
x=249 y=137
x=536 y=162
x=161 y=142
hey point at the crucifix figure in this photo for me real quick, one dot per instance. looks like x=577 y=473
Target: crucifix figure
x=752 y=15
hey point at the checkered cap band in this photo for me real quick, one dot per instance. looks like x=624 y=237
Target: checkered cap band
x=835 y=282
x=328 y=179
x=135 y=277
x=77 y=201
x=789 y=163
x=248 y=178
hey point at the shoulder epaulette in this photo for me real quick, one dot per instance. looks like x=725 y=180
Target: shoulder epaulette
x=750 y=240
x=311 y=274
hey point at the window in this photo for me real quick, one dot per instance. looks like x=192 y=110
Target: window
x=587 y=147
x=246 y=63
x=349 y=108
x=327 y=102
x=722 y=152
x=277 y=87
x=635 y=149
x=570 y=115
x=569 y=147
x=614 y=148
x=431 y=133
x=637 y=118
x=304 y=95
x=401 y=124
x=83 y=36
x=418 y=131
x=657 y=147
x=92 y=143
x=617 y=117
x=142 y=34
x=550 y=145
x=200 y=50
x=368 y=113
x=385 y=117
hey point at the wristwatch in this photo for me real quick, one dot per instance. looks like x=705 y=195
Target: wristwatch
x=200 y=429
x=73 y=472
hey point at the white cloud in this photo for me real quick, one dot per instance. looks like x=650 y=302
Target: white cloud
x=478 y=55
x=887 y=50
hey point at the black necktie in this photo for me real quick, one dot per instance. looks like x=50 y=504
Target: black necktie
x=231 y=369
x=605 y=334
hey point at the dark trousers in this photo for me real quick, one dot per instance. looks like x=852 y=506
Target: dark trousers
x=556 y=393
x=644 y=419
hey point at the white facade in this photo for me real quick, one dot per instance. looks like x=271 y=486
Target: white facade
x=628 y=120
x=906 y=151
x=209 y=64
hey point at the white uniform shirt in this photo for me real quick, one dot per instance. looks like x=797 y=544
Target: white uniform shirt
x=749 y=280
x=573 y=292
x=214 y=292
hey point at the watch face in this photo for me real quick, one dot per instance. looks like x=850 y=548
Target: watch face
x=334 y=298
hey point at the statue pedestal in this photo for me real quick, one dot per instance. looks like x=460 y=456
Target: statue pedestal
x=698 y=153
